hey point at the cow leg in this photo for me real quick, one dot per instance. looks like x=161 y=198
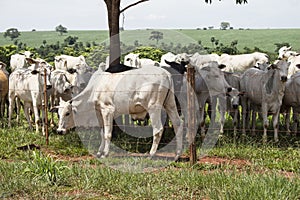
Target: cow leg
x=295 y=120
x=202 y=121
x=155 y=116
x=178 y=128
x=107 y=114
x=52 y=104
x=213 y=110
x=36 y=113
x=276 y=125
x=26 y=113
x=10 y=107
x=100 y=121
x=2 y=104
x=43 y=119
x=235 y=121
x=244 y=113
x=287 y=120
x=253 y=121
x=18 y=108
x=222 y=110
x=265 y=122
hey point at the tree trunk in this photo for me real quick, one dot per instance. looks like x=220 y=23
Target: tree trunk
x=113 y=11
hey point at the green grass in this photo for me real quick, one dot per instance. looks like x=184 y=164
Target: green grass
x=63 y=170
x=264 y=39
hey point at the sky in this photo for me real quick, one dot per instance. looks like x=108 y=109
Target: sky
x=26 y=15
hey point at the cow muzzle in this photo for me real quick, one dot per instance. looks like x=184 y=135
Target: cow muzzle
x=235 y=106
x=283 y=78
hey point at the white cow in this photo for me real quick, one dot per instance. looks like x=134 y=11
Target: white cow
x=146 y=62
x=19 y=60
x=66 y=62
x=294 y=67
x=199 y=61
x=61 y=89
x=264 y=89
x=285 y=52
x=293 y=57
x=133 y=92
x=132 y=60
x=242 y=62
x=28 y=86
x=75 y=65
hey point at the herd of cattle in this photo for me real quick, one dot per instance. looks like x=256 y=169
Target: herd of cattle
x=143 y=87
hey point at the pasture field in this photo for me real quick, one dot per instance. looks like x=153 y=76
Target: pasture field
x=65 y=170
x=264 y=39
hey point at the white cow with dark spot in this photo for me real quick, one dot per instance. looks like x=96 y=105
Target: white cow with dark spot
x=242 y=62
x=135 y=92
x=132 y=60
x=28 y=85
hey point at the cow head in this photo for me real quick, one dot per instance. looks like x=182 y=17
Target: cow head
x=234 y=97
x=39 y=68
x=27 y=54
x=2 y=65
x=66 y=117
x=132 y=60
x=282 y=67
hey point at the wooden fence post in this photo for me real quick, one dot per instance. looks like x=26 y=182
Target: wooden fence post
x=191 y=113
x=46 y=107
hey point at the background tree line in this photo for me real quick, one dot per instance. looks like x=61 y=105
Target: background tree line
x=97 y=52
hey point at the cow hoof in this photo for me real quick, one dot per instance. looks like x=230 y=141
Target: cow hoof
x=99 y=155
x=176 y=158
x=265 y=140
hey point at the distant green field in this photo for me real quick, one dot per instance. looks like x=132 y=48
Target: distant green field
x=264 y=39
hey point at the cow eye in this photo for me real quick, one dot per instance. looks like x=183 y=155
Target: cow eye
x=67 y=114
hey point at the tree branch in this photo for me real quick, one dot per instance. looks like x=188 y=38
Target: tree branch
x=134 y=4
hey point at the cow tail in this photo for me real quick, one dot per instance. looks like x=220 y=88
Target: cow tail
x=171 y=86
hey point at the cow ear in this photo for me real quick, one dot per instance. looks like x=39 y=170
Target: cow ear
x=169 y=63
x=30 y=61
x=229 y=89
x=221 y=66
x=54 y=109
x=272 y=66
